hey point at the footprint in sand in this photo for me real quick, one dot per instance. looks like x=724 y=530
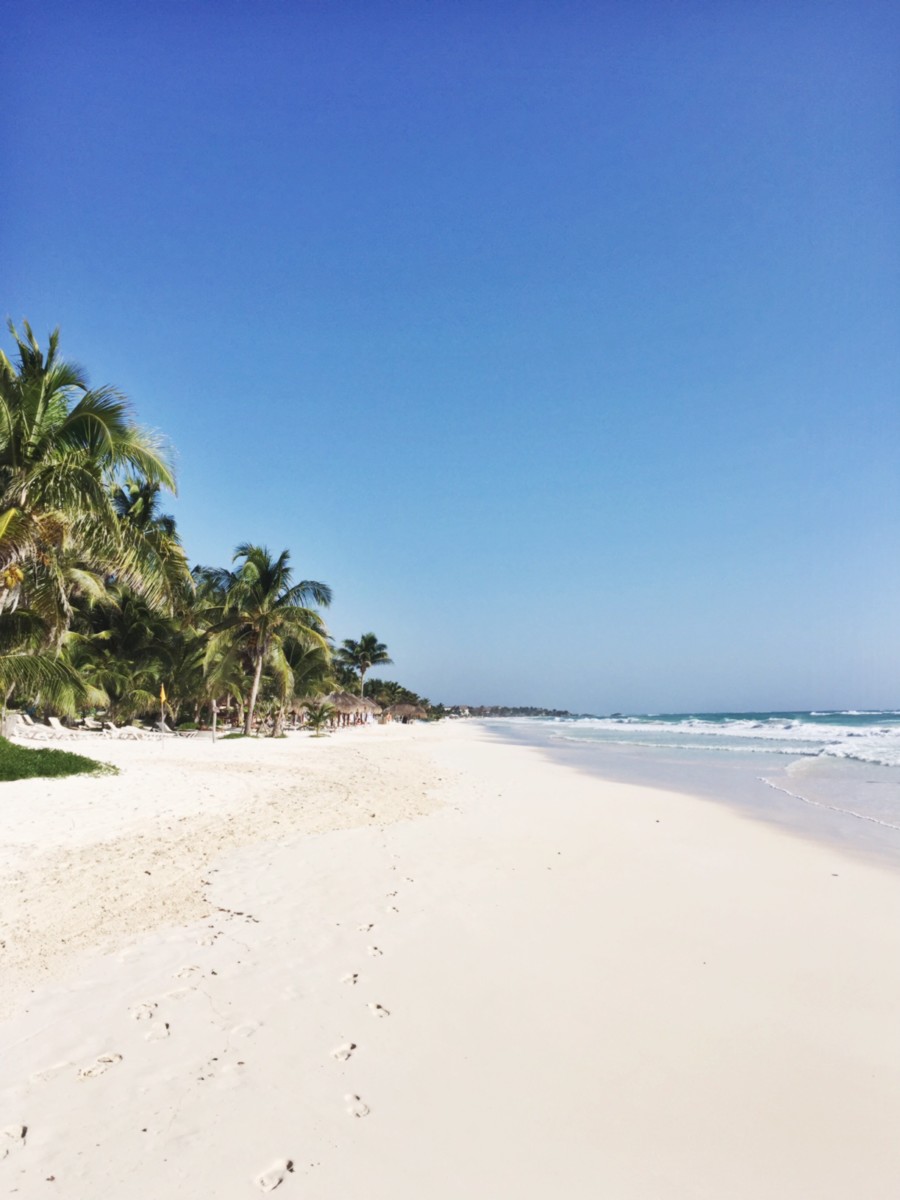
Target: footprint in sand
x=269 y=1180
x=49 y=1073
x=189 y=972
x=350 y=977
x=392 y=908
x=365 y=928
x=342 y=1053
x=179 y=993
x=103 y=1063
x=158 y=1031
x=355 y=1106
x=12 y=1138
x=391 y=895
x=246 y=1030
x=374 y=951
x=145 y=1011
x=378 y=1010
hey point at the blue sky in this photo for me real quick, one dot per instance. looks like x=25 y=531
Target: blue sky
x=560 y=339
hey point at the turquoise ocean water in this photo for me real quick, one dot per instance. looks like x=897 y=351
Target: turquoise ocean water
x=832 y=776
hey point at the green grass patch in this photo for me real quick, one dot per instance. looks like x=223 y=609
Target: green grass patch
x=230 y=737
x=19 y=762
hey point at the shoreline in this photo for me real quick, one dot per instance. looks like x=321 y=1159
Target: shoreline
x=824 y=801
x=583 y=985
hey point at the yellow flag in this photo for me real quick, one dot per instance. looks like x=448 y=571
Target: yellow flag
x=162 y=693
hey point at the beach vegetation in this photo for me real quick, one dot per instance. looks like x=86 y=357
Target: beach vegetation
x=387 y=692
x=99 y=611
x=21 y=762
x=261 y=606
x=64 y=446
x=319 y=717
x=29 y=669
x=362 y=655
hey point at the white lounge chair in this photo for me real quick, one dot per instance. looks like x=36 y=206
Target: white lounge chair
x=32 y=729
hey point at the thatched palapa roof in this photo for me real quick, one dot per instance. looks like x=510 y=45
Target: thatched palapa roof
x=344 y=702
x=406 y=710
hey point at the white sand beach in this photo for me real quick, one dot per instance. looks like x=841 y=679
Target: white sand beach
x=415 y=961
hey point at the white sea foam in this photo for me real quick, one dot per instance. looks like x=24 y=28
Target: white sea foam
x=684 y=745
x=874 y=740
x=847 y=812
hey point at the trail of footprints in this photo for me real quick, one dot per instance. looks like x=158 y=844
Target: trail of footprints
x=354 y=1105
x=147 y=1013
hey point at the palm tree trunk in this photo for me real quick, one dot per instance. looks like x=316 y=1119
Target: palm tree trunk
x=251 y=704
x=362 y=681
x=278 y=727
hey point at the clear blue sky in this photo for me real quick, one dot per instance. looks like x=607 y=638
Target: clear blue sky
x=559 y=338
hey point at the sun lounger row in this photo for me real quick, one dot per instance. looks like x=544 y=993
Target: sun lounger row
x=22 y=726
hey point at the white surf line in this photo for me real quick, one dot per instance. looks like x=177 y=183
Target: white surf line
x=847 y=812
x=784 y=748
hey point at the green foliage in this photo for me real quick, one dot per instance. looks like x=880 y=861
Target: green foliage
x=19 y=762
x=343 y=678
x=97 y=606
x=318 y=717
x=260 y=607
x=63 y=445
x=28 y=670
x=360 y=656
x=387 y=692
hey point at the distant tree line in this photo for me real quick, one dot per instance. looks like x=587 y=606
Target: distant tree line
x=504 y=710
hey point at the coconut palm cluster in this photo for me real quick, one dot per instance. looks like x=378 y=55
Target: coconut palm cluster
x=100 y=612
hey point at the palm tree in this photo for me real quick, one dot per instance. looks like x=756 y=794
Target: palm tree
x=25 y=668
x=318 y=716
x=262 y=606
x=387 y=692
x=137 y=501
x=222 y=673
x=360 y=656
x=62 y=445
x=300 y=671
x=124 y=648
